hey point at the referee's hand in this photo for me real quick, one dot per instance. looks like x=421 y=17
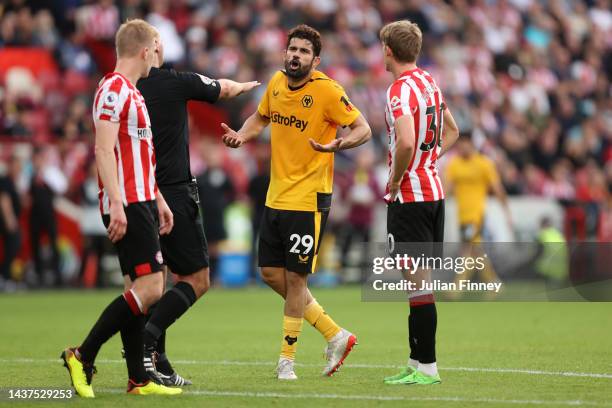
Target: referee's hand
x=231 y=138
x=118 y=222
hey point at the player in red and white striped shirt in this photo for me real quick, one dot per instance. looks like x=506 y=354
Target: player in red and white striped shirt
x=416 y=94
x=131 y=207
x=118 y=101
x=421 y=129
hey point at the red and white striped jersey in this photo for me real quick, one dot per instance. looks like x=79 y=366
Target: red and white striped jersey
x=117 y=100
x=415 y=93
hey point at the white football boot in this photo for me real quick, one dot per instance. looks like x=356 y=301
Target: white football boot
x=337 y=350
x=284 y=369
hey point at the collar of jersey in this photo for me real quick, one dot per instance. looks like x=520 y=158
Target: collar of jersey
x=408 y=72
x=315 y=75
x=127 y=81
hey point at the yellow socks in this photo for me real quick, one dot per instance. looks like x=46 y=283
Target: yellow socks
x=292 y=327
x=316 y=316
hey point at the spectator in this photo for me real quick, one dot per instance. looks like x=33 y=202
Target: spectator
x=552 y=260
x=257 y=191
x=10 y=209
x=216 y=192
x=174 y=49
x=46 y=182
x=45 y=34
x=95 y=244
x=360 y=196
x=560 y=186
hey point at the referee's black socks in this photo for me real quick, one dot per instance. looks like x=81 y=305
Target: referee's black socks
x=170 y=307
x=162 y=364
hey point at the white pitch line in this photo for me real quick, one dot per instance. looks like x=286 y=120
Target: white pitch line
x=533 y=372
x=351 y=365
x=250 y=394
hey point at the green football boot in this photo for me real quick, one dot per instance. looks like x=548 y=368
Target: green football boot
x=416 y=377
x=406 y=371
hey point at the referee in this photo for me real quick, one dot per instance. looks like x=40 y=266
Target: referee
x=185 y=251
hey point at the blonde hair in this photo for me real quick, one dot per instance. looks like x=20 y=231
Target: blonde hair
x=132 y=36
x=404 y=38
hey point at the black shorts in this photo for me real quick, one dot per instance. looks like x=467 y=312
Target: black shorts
x=139 y=251
x=185 y=249
x=291 y=239
x=416 y=222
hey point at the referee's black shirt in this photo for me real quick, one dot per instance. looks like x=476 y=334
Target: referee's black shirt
x=166 y=93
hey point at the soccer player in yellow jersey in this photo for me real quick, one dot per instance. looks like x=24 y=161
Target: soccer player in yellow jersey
x=304 y=108
x=470 y=176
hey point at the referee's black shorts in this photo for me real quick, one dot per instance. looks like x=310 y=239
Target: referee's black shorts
x=416 y=222
x=139 y=250
x=185 y=249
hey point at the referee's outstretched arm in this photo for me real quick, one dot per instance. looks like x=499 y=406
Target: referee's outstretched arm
x=231 y=89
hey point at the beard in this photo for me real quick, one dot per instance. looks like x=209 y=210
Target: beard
x=299 y=71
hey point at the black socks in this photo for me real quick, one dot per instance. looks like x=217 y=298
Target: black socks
x=132 y=337
x=422 y=324
x=162 y=364
x=118 y=314
x=170 y=307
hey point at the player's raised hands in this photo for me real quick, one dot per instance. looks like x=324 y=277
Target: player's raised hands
x=231 y=138
x=332 y=147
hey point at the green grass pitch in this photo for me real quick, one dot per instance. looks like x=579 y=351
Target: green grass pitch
x=490 y=354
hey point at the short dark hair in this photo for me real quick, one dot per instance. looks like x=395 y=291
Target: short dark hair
x=306 y=32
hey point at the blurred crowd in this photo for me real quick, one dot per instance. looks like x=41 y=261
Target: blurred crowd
x=530 y=80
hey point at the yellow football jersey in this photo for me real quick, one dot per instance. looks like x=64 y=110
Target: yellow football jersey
x=301 y=178
x=471 y=179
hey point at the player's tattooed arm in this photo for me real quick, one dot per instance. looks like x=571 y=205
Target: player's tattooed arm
x=251 y=128
x=231 y=89
x=404 y=149
x=359 y=134
x=450 y=133
x=106 y=137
